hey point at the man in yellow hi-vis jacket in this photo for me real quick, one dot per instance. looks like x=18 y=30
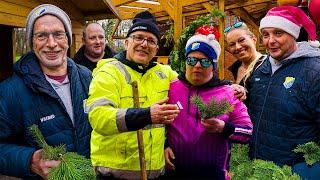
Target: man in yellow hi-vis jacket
x=114 y=146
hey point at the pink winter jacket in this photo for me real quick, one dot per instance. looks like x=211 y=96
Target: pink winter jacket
x=192 y=145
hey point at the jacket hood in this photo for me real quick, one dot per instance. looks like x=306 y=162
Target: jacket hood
x=305 y=50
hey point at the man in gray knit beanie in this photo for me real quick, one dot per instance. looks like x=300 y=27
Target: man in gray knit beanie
x=42 y=10
x=47 y=89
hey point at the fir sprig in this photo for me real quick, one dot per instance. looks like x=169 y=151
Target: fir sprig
x=49 y=152
x=243 y=168
x=311 y=152
x=72 y=165
x=214 y=108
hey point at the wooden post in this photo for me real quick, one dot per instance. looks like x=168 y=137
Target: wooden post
x=136 y=104
x=177 y=14
x=221 y=41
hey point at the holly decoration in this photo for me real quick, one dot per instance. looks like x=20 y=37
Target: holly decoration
x=177 y=55
x=72 y=165
x=213 y=108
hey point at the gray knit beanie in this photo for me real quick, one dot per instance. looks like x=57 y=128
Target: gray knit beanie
x=42 y=10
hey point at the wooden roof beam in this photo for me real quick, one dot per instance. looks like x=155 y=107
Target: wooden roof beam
x=112 y=8
x=247 y=3
x=167 y=6
x=241 y=12
x=118 y=3
x=192 y=2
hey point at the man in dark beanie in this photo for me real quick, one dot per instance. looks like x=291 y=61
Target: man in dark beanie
x=47 y=89
x=114 y=146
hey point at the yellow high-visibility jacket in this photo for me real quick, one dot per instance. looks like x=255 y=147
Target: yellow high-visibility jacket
x=113 y=146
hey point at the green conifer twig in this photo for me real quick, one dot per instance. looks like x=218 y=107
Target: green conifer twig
x=72 y=165
x=213 y=108
x=311 y=152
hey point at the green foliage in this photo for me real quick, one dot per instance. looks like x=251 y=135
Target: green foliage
x=169 y=36
x=243 y=168
x=213 y=108
x=49 y=152
x=177 y=57
x=72 y=165
x=108 y=25
x=311 y=152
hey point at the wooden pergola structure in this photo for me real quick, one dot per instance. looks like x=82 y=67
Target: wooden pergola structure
x=180 y=12
x=13 y=14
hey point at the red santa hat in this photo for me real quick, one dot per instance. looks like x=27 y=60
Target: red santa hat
x=289 y=19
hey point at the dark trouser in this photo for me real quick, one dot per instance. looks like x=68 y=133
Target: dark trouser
x=100 y=177
x=194 y=174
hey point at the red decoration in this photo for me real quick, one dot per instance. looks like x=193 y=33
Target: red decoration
x=206 y=30
x=314 y=6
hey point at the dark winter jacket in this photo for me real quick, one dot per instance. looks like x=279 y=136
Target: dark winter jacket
x=27 y=98
x=81 y=59
x=285 y=106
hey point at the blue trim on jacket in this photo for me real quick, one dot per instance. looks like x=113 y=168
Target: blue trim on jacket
x=27 y=98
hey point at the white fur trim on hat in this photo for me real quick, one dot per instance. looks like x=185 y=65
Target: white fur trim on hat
x=280 y=23
x=209 y=40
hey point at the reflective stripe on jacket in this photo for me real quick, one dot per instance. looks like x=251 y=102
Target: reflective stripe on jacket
x=110 y=96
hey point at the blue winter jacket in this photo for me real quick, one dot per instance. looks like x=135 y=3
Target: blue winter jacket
x=285 y=106
x=27 y=98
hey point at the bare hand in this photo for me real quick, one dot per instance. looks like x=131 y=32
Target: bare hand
x=162 y=113
x=168 y=155
x=239 y=92
x=213 y=125
x=41 y=166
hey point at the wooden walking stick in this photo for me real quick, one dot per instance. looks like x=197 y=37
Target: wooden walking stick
x=139 y=133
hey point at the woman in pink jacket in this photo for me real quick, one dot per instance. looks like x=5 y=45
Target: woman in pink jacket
x=199 y=148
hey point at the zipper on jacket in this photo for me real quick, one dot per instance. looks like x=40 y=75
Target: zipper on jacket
x=258 y=122
x=75 y=141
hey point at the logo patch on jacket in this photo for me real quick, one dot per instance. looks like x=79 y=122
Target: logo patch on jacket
x=161 y=75
x=288 y=82
x=47 y=118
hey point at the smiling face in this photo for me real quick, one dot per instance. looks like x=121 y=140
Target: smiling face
x=141 y=52
x=198 y=75
x=279 y=44
x=51 y=51
x=94 y=40
x=241 y=44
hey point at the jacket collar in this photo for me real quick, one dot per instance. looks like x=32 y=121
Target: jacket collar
x=136 y=66
x=28 y=69
x=213 y=82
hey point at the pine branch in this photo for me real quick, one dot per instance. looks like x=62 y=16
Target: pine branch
x=36 y=134
x=243 y=168
x=213 y=108
x=72 y=165
x=49 y=152
x=311 y=152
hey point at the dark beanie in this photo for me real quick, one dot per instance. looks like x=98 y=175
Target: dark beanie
x=145 y=21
